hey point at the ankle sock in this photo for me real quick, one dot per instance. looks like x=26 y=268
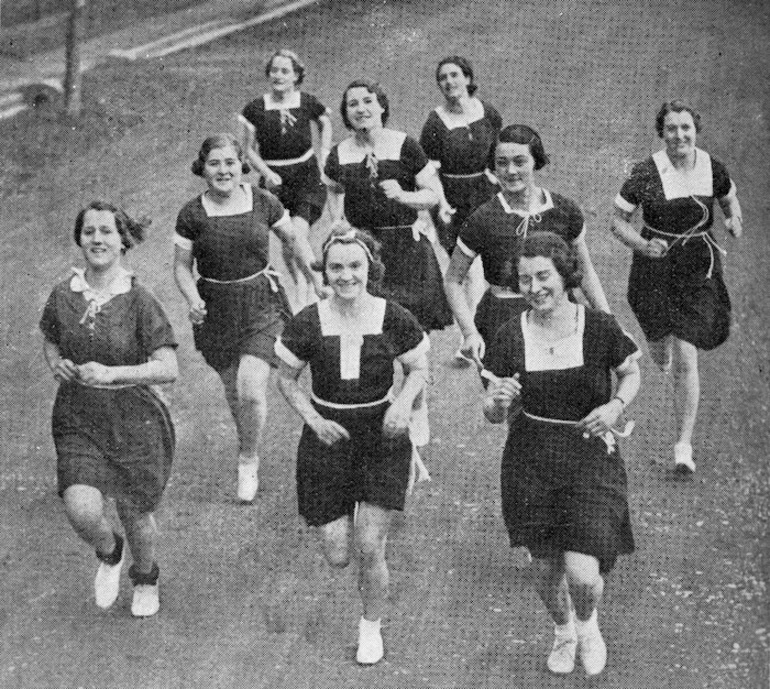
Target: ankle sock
x=144 y=578
x=114 y=557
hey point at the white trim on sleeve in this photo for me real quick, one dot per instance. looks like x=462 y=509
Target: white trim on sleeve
x=287 y=356
x=635 y=355
x=415 y=353
x=285 y=219
x=182 y=242
x=470 y=253
x=624 y=205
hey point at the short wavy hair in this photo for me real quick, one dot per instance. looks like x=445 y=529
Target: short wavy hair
x=465 y=67
x=131 y=231
x=211 y=143
x=296 y=63
x=372 y=87
x=564 y=257
x=675 y=106
x=522 y=134
x=351 y=235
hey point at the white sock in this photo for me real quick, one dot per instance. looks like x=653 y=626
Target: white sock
x=368 y=627
x=585 y=628
x=566 y=630
x=246 y=463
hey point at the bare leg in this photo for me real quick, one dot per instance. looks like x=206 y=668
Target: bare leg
x=686 y=389
x=661 y=352
x=84 y=507
x=336 y=541
x=301 y=296
x=551 y=584
x=586 y=584
x=140 y=534
x=371 y=531
x=474 y=285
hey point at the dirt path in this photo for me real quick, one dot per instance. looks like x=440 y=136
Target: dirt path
x=246 y=599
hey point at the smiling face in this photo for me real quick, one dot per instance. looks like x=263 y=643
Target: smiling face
x=281 y=75
x=514 y=167
x=453 y=82
x=540 y=283
x=222 y=170
x=347 y=270
x=100 y=240
x=679 y=134
x=362 y=108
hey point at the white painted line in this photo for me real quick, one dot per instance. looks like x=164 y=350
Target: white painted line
x=12 y=111
x=205 y=33
x=11 y=99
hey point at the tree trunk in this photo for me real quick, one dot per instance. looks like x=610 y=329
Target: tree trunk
x=72 y=75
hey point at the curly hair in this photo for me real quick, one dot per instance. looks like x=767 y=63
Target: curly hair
x=131 y=231
x=374 y=88
x=564 y=257
x=210 y=143
x=675 y=106
x=297 y=64
x=352 y=235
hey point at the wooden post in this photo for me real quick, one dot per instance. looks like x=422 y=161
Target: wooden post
x=72 y=76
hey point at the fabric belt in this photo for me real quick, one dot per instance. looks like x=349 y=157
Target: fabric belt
x=307 y=155
x=270 y=273
x=504 y=292
x=360 y=405
x=608 y=437
x=420 y=227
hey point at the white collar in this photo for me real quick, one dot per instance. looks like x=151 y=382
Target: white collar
x=370 y=322
x=386 y=147
x=288 y=104
x=677 y=184
x=455 y=120
x=121 y=284
x=545 y=206
x=212 y=210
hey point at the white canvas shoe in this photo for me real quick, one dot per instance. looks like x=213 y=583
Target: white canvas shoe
x=561 y=660
x=593 y=650
x=146 y=600
x=107 y=581
x=248 y=482
x=370 y=646
x=683 y=461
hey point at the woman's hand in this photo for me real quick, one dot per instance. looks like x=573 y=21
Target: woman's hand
x=396 y=421
x=734 y=226
x=602 y=419
x=504 y=391
x=272 y=179
x=445 y=213
x=655 y=248
x=65 y=371
x=328 y=432
x=392 y=189
x=197 y=312
x=473 y=347
x=93 y=373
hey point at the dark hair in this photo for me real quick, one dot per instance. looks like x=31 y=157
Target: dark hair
x=563 y=255
x=675 y=106
x=372 y=87
x=522 y=134
x=351 y=235
x=131 y=231
x=465 y=67
x=296 y=63
x=210 y=143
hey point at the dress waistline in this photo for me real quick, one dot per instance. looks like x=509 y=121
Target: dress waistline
x=307 y=155
x=504 y=292
x=268 y=271
x=608 y=438
x=361 y=405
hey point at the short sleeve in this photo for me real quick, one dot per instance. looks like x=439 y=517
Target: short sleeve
x=630 y=196
x=471 y=236
x=314 y=107
x=155 y=331
x=299 y=340
x=276 y=213
x=494 y=117
x=409 y=340
x=621 y=348
x=575 y=221
x=500 y=356
x=332 y=168
x=722 y=181
x=430 y=138
x=251 y=113
x=49 y=322
x=412 y=156
x=186 y=228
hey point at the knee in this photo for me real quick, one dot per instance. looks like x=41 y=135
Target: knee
x=337 y=556
x=83 y=508
x=371 y=552
x=686 y=361
x=584 y=574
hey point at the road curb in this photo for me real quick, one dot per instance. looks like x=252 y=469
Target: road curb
x=19 y=99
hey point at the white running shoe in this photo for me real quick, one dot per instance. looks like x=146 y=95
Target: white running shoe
x=146 y=601
x=370 y=646
x=248 y=482
x=561 y=660
x=683 y=461
x=593 y=651
x=107 y=581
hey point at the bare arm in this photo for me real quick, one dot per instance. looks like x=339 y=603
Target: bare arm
x=623 y=229
x=185 y=281
x=459 y=265
x=327 y=431
x=400 y=411
x=299 y=246
x=731 y=208
x=161 y=368
x=501 y=394
x=248 y=138
x=605 y=416
x=591 y=286
x=423 y=198
x=335 y=200
x=324 y=139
